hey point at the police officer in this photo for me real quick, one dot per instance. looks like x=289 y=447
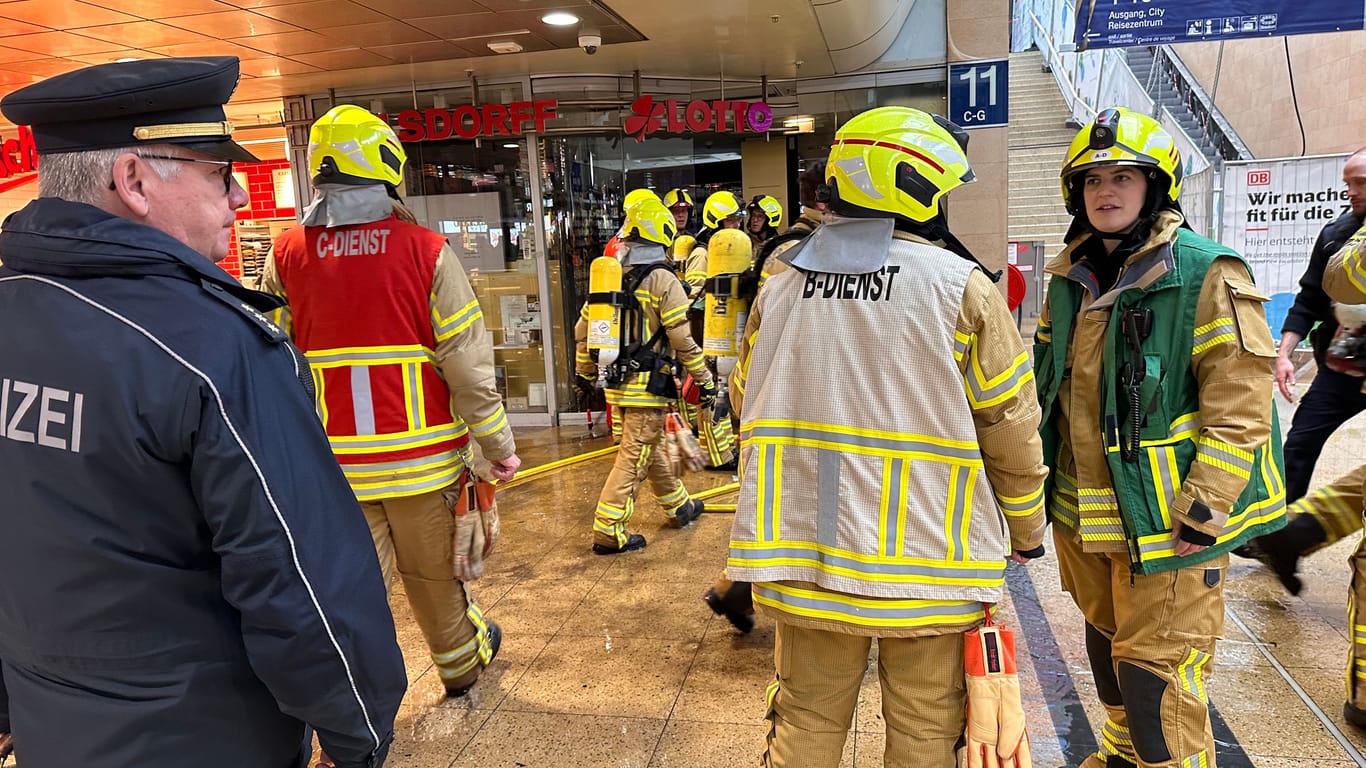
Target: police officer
x=655 y=327
x=186 y=577
x=838 y=495
x=1153 y=365
x=395 y=339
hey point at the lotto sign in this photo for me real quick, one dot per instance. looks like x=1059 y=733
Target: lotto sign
x=977 y=93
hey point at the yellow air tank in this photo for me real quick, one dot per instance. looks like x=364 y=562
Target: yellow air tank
x=680 y=251
x=604 y=310
x=729 y=253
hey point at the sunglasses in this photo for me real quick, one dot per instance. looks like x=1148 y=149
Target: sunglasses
x=226 y=166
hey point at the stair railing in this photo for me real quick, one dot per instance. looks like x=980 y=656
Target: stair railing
x=1215 y=129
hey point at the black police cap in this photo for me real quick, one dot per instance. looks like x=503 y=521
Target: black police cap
x=124 y=104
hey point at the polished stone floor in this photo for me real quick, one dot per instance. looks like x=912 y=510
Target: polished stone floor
x=615 y=661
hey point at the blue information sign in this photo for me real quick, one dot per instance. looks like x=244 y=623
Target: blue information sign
x=977 y=93
x=1117 y=23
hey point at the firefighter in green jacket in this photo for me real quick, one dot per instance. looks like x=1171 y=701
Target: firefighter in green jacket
x=1153 y=361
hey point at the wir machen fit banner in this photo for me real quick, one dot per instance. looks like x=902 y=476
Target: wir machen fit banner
x=1116 y=23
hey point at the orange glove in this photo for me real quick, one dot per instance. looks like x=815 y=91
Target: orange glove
x=996 y=735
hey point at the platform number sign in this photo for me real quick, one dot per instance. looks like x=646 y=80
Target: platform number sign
x=978 y=93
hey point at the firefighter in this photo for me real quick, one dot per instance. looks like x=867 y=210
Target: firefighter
x=395 y=338
x=679 y=203
x=1167 y=454
x=722 y=210
x=862 y=516
x=640 y=383
x=765 y=213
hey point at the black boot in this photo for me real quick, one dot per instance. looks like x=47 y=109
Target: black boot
x=1281 y=551
x=737 y=605
x=1353 y=715
x=634 y=541
x=688 y=513
x=495 y=642
x=1115 y=761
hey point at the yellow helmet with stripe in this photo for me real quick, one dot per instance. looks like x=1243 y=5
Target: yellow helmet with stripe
x=349 y=145
x=677 y=197
x=636 y=196
x=719 y=207
x=896 y=161
x=649 y=220
x=1122 y=137
x=773 y=210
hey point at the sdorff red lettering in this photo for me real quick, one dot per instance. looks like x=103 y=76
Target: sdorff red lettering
x=470 y=121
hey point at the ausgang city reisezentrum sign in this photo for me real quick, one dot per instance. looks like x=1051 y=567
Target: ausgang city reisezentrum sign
x=1117 y=23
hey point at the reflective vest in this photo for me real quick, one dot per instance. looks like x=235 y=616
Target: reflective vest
x=874 y=490
x=1136 y=510
x=361 y=308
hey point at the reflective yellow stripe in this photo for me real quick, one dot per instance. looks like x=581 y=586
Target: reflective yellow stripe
x=398 y=441
x=868 y=442
x=1021 y=506
x=320 y=394
x=492 y=424
x=1214 y=333
x=1353 y=268
x=873 y=569
x=674 y=316
x=868 y=612
x=962 y=342
x=1191 y=673
x=1222 y=455
x=463 y=318
x=407 y=486
x=984 y=392
x=369 y=356
x=1166 y=479
x=1115 y=740
x=883 y=545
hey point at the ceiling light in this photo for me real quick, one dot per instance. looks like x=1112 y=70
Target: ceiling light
x=560 y=19
x=512 y=146
x=505 y=46
x=126 y=59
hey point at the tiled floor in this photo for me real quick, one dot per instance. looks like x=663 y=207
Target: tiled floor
x=616 y=662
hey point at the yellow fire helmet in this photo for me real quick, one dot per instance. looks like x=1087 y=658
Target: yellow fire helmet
x=349 y=145
x=896 y=161
x=636 y=196
x=772 y=209
x=1122 y=137
x=719 y=207
x=649 y=220
x=677 y=197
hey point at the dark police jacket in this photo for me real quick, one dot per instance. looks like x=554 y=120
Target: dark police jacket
x=185 y=576
x=1311 y=303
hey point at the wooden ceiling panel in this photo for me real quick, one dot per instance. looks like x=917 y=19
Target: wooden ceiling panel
x=370 y=36
x=274 y=67
x=210 y=48
x=42 y=67
x=289 y=43
x=331 y=13
x=14 y=54
x=105 y=58
x=353 y=59
x=232 y=24
x=62 y=14
x=60 y=44
x=412 y=9
x=410 y=52
x=143 y=34
x=573 y=6
x=163 y=9
x=10 y=27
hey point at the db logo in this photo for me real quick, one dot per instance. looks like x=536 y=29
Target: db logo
x=1258 y=178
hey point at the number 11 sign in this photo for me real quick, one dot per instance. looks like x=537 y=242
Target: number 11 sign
x=978 y=93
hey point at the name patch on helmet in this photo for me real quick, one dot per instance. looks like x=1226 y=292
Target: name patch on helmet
x=873 y=286
x=356 y=242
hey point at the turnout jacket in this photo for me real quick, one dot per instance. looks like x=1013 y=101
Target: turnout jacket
x=1209 y=452
x=890 y=459
x=186 y=577
x=1344 y=278
x=395 y=339
x=1312 y=304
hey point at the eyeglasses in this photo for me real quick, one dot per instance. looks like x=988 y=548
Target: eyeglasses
x=226 y=165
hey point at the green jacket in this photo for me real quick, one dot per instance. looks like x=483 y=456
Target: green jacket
x=1209 y=349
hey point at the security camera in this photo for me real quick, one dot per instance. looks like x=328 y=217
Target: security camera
x=589 y=41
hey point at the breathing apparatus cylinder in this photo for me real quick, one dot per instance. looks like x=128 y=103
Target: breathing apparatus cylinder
x=604 y=310
x=729 y=253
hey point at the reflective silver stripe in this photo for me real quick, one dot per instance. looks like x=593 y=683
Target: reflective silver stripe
x=816 y=559
x=1221 y=327
x=360 y=356
x=960 y=348
x=1099 y=497
x=959 y=479
x=386 y=490
x=1103 y=528
x=827 y=497
x=362 y=402
x=1162 y=470
x=466 y=315
x=1022 y=370
x=344 y=443
x=879 y=444
x=404 y=464
x=770 y=502
x=1028 y=505
x=412 y=371
x=894 y=504
x=1190 y=421
x=863 y=610
x=1219 y=453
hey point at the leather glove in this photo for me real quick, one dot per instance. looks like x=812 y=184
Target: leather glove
x=706 y=394
x=585 y=384
x=996 y=735
x=747 y=285
x=477 y=529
